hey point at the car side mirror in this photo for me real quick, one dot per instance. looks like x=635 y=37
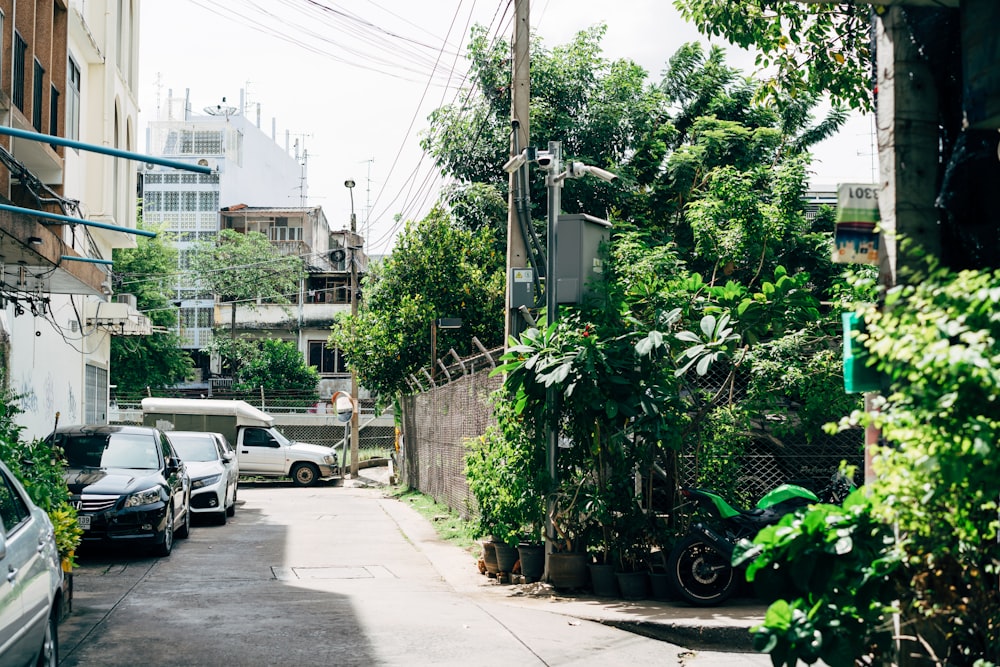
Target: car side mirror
x=173 y=464
x=228 y=457
x=3 y=546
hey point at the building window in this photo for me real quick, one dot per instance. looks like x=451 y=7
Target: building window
x=36 y=97
x=325 y=359
x=153 y=201
x=284 y=233
x=20 y=50
x=73 y=102
x=96 y=395
x=208 y=201
x=189 y=201
x=171 y=200
x=54 y=112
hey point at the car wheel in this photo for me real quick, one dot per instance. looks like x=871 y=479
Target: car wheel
x=166 y=546
x=49 y=655
x=223 y=514
x=184 y=530
x=304 y=474
x=231 y=510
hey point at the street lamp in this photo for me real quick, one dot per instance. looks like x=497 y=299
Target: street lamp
x=349 y=184
x=440 y=323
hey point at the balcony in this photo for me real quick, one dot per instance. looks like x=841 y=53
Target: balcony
x=270 y=316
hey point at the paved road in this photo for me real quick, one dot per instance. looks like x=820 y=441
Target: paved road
x=321 y=576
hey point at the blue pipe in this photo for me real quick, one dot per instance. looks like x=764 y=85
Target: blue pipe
x=94 y=148
x=89 y=260
x=75 y=221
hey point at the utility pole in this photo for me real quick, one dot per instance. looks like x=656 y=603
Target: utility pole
x=517 y=256
x=349 y=184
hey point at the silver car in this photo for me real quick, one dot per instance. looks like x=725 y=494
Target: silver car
x=31 y=588
x=214 y=470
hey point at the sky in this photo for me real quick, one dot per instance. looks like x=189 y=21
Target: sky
x=354 y=82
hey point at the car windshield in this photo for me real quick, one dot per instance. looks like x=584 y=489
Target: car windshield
x=195 y=447
x=110 y=450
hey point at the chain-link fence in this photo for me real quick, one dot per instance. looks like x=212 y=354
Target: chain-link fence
x=437 y=425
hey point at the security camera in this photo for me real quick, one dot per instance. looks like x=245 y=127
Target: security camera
x=544 y=159
x=602 y=174
x=579 y=170
x=515 y=163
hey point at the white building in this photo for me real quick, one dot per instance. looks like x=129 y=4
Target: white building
x=250 y=168
x=74 y=66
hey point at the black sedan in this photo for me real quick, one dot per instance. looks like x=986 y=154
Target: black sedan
x=128 y=485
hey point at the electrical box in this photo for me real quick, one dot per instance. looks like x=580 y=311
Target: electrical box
x=521 y=283
x=579 y=238
x=859 y=377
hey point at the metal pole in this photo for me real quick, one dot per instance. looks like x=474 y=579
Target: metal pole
x=433 y=349
x=553 y=184
x=354 y=315
x=106 y=150
x=68 y=219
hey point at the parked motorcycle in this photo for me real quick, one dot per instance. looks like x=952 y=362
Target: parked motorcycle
x=700 y=564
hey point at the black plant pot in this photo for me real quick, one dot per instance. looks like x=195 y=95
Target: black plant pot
x=532 y=560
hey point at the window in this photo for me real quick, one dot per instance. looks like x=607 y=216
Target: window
x=17 y=92
x=284 y=234
x=36 y=97
x=153 y=201
x=73 y=101
x=171 y=201
x=325 y=359
x=208 y=201
x=13 y=509
x=54 y=112
x=189 y=201
x=96 y=395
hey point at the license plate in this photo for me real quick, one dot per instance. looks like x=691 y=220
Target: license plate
x=83 y=521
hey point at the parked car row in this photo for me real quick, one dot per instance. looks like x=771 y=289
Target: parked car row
x=138 y=485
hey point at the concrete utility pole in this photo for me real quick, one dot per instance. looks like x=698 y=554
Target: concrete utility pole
x=349 y=184
x=517 y=255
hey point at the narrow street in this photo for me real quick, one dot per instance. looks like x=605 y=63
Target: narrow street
x=320 y=576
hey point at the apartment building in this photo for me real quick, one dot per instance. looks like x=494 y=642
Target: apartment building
x=67 y=70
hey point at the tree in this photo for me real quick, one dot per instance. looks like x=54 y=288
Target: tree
x=814 y=47
x=157 y=360
x=241 y=268
x=435 y=270
x=271 y=363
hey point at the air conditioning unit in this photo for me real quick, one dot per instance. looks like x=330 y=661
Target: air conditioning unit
x=126 y=298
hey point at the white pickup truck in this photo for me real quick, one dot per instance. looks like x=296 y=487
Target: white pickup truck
x=260 y=449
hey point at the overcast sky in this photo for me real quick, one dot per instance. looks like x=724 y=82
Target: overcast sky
x=354 y=82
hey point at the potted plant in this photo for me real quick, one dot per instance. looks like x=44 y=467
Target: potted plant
x=506 y=476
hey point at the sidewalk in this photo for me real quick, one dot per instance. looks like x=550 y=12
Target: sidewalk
x=723 y=628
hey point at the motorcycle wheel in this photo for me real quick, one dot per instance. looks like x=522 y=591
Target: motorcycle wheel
x=699 y=573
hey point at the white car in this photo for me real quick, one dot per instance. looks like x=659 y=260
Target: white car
x=214 y=471
x=31 y=588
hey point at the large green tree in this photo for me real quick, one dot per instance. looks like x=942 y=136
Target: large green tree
x=157 y=360
x=435 y=270
x=242 y=268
